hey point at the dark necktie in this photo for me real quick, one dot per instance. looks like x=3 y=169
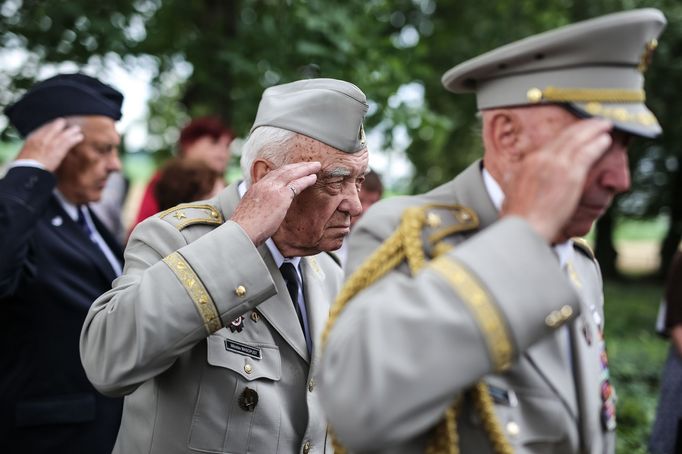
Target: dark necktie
x=84 y=225
x=291 y=278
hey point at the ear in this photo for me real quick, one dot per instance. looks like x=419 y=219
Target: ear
x=259 y=169
x=504 y=133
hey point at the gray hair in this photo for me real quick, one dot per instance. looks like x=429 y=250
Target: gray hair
x=265 y=142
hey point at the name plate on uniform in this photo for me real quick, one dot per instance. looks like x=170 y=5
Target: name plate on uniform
x=242 y=349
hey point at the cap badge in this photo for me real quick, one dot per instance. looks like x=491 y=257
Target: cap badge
x=237 y=324
x=648 y=55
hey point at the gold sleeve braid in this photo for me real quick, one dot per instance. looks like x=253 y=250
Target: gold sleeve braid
x=406 y=244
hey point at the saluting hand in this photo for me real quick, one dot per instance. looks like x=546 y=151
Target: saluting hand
x=548 y=186
x=50 y=143
x=265 y=204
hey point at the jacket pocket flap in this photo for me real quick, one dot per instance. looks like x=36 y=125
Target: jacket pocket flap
x=249 y=360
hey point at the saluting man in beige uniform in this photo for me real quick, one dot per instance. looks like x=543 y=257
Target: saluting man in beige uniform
x=212 y=331
x=477 y=324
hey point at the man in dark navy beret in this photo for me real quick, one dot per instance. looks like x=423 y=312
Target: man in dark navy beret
x=56 y=258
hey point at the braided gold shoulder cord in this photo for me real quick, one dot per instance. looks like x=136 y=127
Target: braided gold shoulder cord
x=405 y=243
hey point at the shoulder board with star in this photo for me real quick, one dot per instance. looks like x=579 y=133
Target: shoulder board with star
x=583 y=246
x=442 y=221
x=188 y=214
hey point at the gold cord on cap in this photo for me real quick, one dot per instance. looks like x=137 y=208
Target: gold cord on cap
x=613 y=95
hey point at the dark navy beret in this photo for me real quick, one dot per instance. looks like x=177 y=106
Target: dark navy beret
x=62 y=96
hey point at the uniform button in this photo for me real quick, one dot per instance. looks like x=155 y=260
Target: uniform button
x=433 y=220
x=306 y=447
x=513 y=429
x=248 y=368
x=255 y=316
x=566 y=312
x=311 y=385
x=240 y=291
x=552 y=320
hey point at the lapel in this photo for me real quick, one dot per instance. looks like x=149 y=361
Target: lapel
x=550 y=356
x=68 y=230
x=278 y=310
x=317 y=300
x=586 y=347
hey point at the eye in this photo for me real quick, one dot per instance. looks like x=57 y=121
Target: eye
x=105 y=149
x=336 y=184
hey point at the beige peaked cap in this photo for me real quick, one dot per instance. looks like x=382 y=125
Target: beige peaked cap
x=595 y=68
x=327 y=110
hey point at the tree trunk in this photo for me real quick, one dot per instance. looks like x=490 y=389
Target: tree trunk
x=604 y=249
x=672 y=238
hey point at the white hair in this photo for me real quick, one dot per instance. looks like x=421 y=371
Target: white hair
x=265 y=142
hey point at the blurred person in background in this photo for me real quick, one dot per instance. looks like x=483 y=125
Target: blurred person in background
x=666 y=434
x=206 y=139
x=371 y=192
x=56 y=258
x=186 y=180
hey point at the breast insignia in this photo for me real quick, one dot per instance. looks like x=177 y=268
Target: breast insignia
x=188 y=214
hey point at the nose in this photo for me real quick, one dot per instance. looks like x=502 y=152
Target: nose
x=351 y=201
x=615 y=172
x=114 y=163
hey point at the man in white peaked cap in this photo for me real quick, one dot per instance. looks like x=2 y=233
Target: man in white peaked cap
x=477 y=327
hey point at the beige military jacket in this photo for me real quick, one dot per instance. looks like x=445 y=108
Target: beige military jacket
x=497 y=306
x=202 y=338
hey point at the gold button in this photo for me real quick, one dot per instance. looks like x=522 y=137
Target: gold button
x=306 y=447
x=566 y=311
x=513 y=429
x=433 y=220
x=247 y=368
x=255 y=316
x=552 y=320
x=214 y=214
x=311 y=385
x=534 y=95
x=240 y=291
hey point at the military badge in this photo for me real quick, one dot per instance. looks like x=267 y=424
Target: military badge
x=361 y=135
x=647 y=56
x=248 y=399
x=237 y=324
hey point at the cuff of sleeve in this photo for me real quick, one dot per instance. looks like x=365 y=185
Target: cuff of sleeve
x=513 y=284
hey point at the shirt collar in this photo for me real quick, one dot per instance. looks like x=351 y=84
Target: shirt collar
x=70 y=208
x=564 y=251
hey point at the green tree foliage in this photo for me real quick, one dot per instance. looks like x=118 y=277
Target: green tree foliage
x=216 y=56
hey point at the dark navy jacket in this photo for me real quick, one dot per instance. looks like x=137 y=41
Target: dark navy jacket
x=50 y=273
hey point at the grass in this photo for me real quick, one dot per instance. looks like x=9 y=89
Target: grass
x=636 y=356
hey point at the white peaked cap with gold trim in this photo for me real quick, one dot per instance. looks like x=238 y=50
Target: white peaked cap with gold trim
x=595 y=68
x=327 y=110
